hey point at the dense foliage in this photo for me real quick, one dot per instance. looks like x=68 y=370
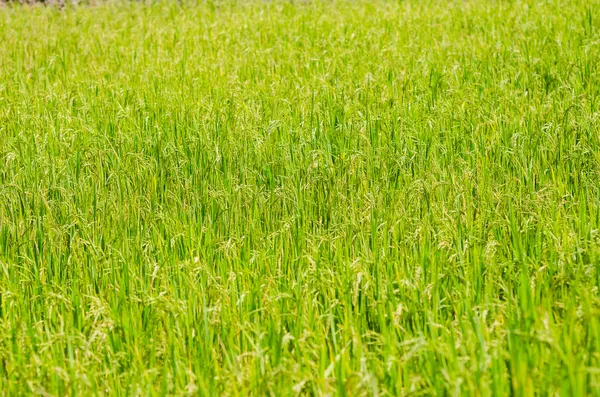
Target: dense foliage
x=282 y=198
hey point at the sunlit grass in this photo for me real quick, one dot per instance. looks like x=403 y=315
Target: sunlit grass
x=283 y=198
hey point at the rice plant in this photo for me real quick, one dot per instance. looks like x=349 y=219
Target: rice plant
x=275 y=198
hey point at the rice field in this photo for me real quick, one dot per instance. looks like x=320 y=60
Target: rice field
x=300 y=198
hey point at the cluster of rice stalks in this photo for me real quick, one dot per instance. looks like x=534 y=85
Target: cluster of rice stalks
x=282 y=198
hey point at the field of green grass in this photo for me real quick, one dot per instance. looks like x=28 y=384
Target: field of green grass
x=348 y=198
